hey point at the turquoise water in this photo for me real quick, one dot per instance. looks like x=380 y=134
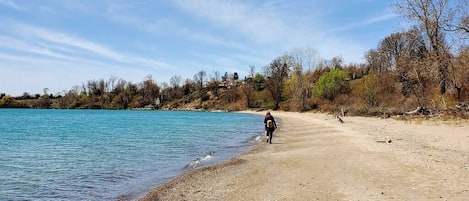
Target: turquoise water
x=101 y=155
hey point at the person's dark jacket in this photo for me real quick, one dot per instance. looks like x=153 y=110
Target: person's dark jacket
x=267 y=118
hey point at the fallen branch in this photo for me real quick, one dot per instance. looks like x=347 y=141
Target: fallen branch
x=340 y=120
x=413 y=111
x=420 y=110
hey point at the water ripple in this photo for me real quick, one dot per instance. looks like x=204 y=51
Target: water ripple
x=101 y=155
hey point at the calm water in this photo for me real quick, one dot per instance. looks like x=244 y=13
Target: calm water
x=101 y=155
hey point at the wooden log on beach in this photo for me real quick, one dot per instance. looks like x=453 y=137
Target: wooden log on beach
x=340 y=119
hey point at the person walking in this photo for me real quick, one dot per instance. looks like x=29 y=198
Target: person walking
x=270 y=126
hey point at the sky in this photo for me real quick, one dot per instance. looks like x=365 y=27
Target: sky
x=59 y=44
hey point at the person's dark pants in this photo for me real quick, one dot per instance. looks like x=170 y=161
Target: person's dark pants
x=269 y=135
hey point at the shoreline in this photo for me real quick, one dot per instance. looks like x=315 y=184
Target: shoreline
x=190 y=174
x=313 y=156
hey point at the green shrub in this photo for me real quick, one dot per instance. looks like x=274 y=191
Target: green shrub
x=331 y=84
x=369 y=90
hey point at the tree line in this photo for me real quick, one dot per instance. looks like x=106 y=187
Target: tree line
x=426 y=66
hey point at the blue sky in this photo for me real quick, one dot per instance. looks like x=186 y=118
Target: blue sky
x=57 y=44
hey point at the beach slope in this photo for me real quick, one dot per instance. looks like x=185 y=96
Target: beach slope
x=315 y=157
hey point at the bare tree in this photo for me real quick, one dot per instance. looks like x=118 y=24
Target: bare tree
x=45 y=101
x=175 y=90
x=460 y=18
x=405 y=55
x=296 y=81
x=215 y=82
x=166 y=92
x=464 y=24
x=460 y=75
x=248 y=93
x=301 y=81
x=149 y=91
x=433 y=17
x=175 y=81
x=395 y=48
x=376 y=61
x=252 y=71
x=199 y=79
x=337 y=62
x=277 y=72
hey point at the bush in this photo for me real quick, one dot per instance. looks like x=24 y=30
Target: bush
x=10 y=102
x=369 y=90
x=331 y=84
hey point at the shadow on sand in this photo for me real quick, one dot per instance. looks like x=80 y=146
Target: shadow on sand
x=275 y=143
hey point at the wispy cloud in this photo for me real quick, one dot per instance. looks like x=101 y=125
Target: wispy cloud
x=379 y=18
x=178 y=37
x=57 y=41
x=166 y=26
x=30 y=54
x=247 y=19
x=67 y=40
x=382 y=17
x=274 y=27
x=11 y=43
x=11 y=4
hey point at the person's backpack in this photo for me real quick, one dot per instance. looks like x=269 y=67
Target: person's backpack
x=270 y=124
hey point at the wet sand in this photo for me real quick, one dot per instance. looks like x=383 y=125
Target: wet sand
x=315 y=157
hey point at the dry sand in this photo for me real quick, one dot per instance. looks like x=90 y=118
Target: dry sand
x=314 y=157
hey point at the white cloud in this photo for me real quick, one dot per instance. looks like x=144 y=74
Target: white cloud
x=11 y=4
x=35 y=56
x=170 y=26
x=76 y=46
x=67 y=40
x=277 y=26
x=382 y=17
x=10 y=43
x=255 y=23
x=271 y=30
x=179 y=37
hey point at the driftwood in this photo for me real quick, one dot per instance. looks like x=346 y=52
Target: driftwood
x=340 y=119
x=463 y=106
x=386 y=116
x=413 y=111
x=384 y=141
x=387 y=140
x=419 y=110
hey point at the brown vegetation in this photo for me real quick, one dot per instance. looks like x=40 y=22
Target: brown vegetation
x=417 y=68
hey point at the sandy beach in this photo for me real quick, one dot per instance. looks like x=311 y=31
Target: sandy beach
x=315 y=157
